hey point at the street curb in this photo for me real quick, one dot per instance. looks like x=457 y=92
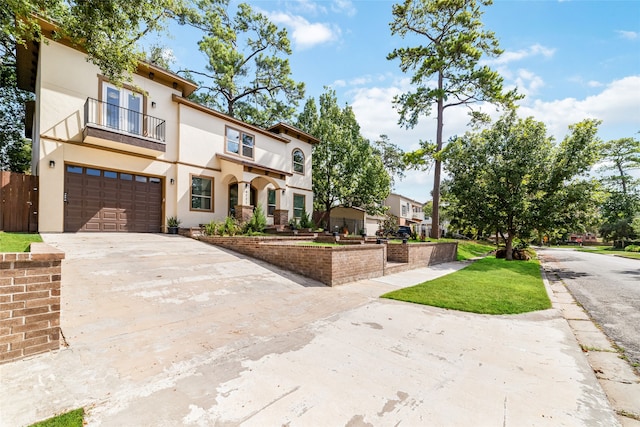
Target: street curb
x=617 y=378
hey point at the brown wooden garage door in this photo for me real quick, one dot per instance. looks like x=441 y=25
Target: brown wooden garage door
x=103 y=200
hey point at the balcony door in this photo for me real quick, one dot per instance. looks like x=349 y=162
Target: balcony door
x=122 y=109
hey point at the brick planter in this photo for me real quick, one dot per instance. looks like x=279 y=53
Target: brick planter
x=336 y=265
x=422 y=254
x=29 y=302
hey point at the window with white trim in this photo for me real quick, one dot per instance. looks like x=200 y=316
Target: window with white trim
x=239 y=143
x=122 y=108
x=298 y=161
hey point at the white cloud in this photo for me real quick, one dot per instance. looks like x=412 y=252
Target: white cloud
x=307 y=7
x=629 y=35
x=593 y=83
x=518 y=55
x=343 y=6
x=304 y=33
x=528 y=82
x=617 y=105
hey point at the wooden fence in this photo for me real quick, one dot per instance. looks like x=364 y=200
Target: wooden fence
x=18 y=202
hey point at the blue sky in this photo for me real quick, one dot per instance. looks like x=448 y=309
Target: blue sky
x=572 y=59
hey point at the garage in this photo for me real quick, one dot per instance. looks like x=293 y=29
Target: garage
x=106 y=200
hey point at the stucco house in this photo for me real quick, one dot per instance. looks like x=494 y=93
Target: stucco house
x=408 y=211
x=113 y=158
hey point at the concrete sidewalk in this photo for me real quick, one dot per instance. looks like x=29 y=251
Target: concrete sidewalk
x=167 y=331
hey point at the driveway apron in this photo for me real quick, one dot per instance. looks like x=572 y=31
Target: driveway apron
x=164 y=331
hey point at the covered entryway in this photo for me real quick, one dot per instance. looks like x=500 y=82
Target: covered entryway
x=104 y=200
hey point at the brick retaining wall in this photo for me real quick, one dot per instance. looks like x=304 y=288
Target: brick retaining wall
x=335 y=265
x=332 y=266
x=30 y=302
x=422 y=254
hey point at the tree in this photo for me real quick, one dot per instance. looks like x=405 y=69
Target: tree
x=622 y=202
x=513 y=179
x=346 y=170
x=107 y=30
x=248 y=77
x=455 y=42
x=392 y=157
x=15 y=149
x=621 y=156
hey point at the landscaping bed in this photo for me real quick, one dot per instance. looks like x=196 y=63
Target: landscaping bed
x=334 y=264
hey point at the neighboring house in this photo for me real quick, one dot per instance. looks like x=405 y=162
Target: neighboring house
x=408 y=211
x=124 y=158
x=355 y=220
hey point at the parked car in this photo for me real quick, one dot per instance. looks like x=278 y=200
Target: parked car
x=403 y=231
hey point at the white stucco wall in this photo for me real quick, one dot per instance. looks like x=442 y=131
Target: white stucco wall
x=64 y=82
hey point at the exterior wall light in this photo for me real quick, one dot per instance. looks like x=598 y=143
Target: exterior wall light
x=52 y=164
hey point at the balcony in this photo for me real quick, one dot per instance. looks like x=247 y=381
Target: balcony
x=109 y=125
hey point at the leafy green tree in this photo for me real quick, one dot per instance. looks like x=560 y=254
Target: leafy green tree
x=447 y=69
x=161 y=56
x=635 y=224
x=512 y=178
x=107 y=30
x=346 y=170
x=248 y=75
x=15 y=149
x=427 y=208
x=392 y=157
x=621 y=156
x=622 y=202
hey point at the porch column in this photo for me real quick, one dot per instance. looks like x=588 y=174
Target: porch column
x=280 y=217
x=244 y=210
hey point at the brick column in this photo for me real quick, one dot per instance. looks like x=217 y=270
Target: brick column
x=280 y=217
x=244 y=213
x=30 y=302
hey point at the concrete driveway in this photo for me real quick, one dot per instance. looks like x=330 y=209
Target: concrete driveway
x=165 y=331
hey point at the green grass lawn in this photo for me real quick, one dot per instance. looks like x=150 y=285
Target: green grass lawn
x=17 y=242
x=489 y=286
x=469 y=249
x=73 y=418
x=606 y=250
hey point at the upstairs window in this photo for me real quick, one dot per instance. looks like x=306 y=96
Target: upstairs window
x=122 y=109
x=298 y=161
x=239 y=143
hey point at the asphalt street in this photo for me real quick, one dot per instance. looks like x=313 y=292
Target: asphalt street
x=608 y=287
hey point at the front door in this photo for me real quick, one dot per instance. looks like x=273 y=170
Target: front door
x=122 y=109
x=233 y=198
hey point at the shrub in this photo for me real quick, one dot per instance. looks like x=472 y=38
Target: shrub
x=632 y=248
x=230 y=226
x=257 y=223
x=214 y=228
x=305 y=221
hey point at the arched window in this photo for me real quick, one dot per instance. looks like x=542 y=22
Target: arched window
x=298 y=161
